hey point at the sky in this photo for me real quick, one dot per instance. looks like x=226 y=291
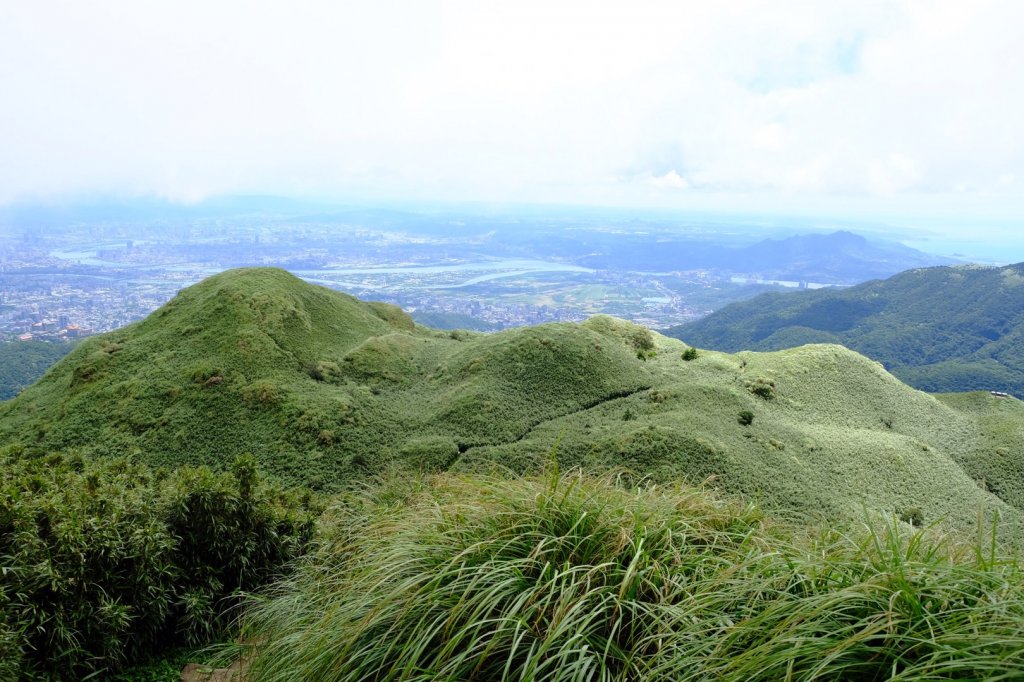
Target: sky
x=910 y=111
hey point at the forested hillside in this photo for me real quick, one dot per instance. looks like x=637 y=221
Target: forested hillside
x=938 y=329
x=23 y=362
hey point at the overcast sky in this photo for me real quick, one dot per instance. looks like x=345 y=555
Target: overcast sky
x=912 y=108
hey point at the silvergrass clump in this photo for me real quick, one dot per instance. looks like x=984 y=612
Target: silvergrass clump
x=559 y=578
x=579 y=578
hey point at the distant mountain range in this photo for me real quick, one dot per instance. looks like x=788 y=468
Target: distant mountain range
x=837 y=258
x=939 y=329
x=602 y=239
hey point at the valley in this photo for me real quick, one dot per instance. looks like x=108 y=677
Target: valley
x=85 y=270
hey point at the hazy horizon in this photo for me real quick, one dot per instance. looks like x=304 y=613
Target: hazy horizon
x=898 y=113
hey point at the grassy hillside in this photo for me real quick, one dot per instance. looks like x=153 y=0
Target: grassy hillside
x=326 y=390
x=939 y=329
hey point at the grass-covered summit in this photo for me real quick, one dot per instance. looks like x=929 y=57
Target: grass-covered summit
x=327 y=390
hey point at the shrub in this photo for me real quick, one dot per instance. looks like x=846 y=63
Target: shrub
x=746 y=418
x=762 y=388
x=203 y=372
x=913 y=516
x=659 y=397
x=690 y=354
x=323 y=371
x=261 y=392
x=315 y=371
x=106 y=564
x=641 y=339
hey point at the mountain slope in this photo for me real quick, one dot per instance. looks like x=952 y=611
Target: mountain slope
x=836 y=258
x=327 y=390
x=939 y=329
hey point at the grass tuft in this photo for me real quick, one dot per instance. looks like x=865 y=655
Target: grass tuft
x=583 y=578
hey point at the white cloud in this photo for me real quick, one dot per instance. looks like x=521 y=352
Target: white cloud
x=531 y=100
x=670 y=180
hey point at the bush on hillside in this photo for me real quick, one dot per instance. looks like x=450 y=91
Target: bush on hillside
x=107 y=563
x=323 y=371
x=762 y=388
x=642 y=339
x=913 y=516
x=690 y=354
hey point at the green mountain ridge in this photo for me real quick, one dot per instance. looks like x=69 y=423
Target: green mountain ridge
x=939 y=329
x=326 y=390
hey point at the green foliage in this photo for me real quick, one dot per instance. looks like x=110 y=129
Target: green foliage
x=642 y=340
x=939 y=329
x=166 y=668
x=125 y=542
x=638 y=338
x=821 y=447
x=23 y=362
x=746 y=417
x=442 y=320
x=307 y=380
x=690 y=354
x=581 y=578
x=324 y=371
x=762 y=388
x=324 y=391
x=992 y=460
x=107 y=563
x=912 y=515
x=430 y=453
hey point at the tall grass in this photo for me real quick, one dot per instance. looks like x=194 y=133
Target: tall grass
x=579 y=578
